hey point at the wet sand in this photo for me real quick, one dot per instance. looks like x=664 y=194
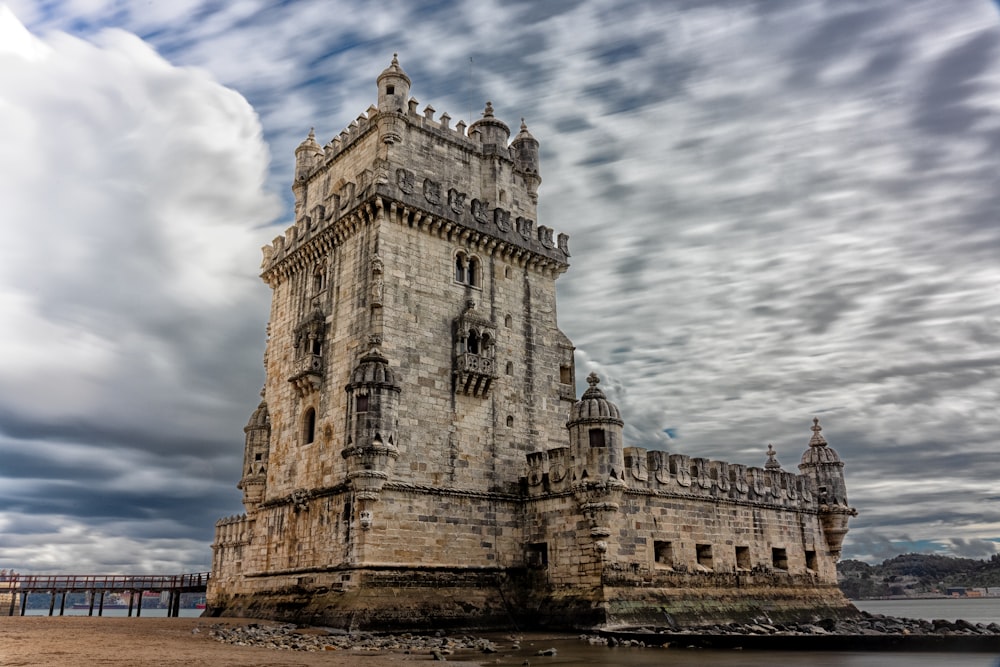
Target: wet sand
x=53 y=641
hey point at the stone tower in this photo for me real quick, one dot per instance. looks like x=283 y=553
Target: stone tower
x=419 y=456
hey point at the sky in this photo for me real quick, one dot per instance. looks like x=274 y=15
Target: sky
x=777 y=211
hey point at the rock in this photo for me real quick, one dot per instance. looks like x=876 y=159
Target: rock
x=551 y=652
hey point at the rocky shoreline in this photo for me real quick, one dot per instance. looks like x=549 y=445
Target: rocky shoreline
x=868 y=631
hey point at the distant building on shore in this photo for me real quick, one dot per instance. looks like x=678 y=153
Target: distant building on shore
x=420 y=456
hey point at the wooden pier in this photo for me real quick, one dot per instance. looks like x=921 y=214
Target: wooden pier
x=16 y=588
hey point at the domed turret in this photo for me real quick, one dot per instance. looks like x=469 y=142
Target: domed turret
x=595 y=434
x=307 y=156
x=492 y=131
x=525 y=149
x=372 y=407
x=823 y=466
x=255 y=455
x=393 y=88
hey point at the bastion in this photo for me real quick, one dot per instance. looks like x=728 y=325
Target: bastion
x=420 y=457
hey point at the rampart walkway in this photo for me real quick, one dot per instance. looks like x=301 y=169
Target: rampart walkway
x=14 y=590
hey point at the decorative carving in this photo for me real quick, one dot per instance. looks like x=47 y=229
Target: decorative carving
x=479 y=211
x=557 y=472
x=406 y=181
x=381 y=171
x=525 y=227
x=377 y=283
x=456 y=200
x=432 y=191
x=502 y=219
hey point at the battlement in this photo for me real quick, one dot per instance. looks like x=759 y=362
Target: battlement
x=678 y=474
x=397 y=154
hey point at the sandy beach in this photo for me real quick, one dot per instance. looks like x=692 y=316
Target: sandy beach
x=80 y=640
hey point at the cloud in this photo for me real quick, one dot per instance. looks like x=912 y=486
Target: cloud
x=132 y=193
x=777 y=210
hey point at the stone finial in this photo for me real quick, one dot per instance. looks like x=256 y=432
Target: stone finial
x=817 y=439
x=488 y=112
x=772 y=460
x=429 y=112
x=593 y=380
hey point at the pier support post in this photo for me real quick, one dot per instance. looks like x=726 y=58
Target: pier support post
x=52 y=602
x=62 y=603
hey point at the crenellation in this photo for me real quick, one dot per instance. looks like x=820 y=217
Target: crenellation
x=419 y=431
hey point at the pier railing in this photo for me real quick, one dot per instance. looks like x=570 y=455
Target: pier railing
x=17 y=587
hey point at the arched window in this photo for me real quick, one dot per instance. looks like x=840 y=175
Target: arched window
x=319 y=281
x=510 y=421
x=510 y=368
x=460 y=268
x=309 y=426
x=475 y=278
x=508 y=321
x=484 y=345
x=473 y=342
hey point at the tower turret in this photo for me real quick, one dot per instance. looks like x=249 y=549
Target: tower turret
x=307 y=156
x=491 y=130
x=393 y=88
x=595 y=437
x=822 y=464
x=255 y=455
x=372 y=408
x=525 y=154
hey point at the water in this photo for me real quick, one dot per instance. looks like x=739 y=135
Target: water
x=112 y=613
x=974 y=610
x=576 y=653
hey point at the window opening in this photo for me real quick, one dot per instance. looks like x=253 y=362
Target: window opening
x=310 y=425
x=565 y=375
x=811 y=560
x=596 y=437
x=361 y=403
x=474 y=272
x=663 y=553
x=510 y=421
x=460 y=268
x=704 y=554
x=779 y=559
x=537 y=555
x=390 y=90
x=742 y=558
x=510 y=368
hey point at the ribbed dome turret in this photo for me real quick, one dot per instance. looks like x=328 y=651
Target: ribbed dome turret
x=819 y=451
x=373 y=370
x=491 y=130
x=260 y=418
x=594 y=404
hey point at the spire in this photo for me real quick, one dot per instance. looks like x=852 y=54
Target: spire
x=817 y=440
x=772 y=460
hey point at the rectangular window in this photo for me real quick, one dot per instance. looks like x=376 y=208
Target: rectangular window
x=565 y=374
x=742 y=558
x=779 y=559
x=704 y=552
x=361 y=404
x=663 y=553
x=811 y=560
x=597 y=437
x=537 y=555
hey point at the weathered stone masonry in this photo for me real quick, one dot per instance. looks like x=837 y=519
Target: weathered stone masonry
x=419 y=456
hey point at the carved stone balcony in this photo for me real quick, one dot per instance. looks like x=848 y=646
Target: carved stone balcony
x=474 y=374
x=308 y=373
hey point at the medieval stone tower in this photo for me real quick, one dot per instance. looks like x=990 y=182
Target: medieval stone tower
x=419 y=456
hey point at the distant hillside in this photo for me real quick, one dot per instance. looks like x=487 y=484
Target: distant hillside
x=915 y=575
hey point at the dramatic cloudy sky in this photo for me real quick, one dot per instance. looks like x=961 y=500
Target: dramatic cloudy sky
x=777 y=210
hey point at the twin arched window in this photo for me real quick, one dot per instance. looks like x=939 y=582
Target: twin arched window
x=468 y=270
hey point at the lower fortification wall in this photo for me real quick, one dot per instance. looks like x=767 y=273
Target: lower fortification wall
x=610 y=557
